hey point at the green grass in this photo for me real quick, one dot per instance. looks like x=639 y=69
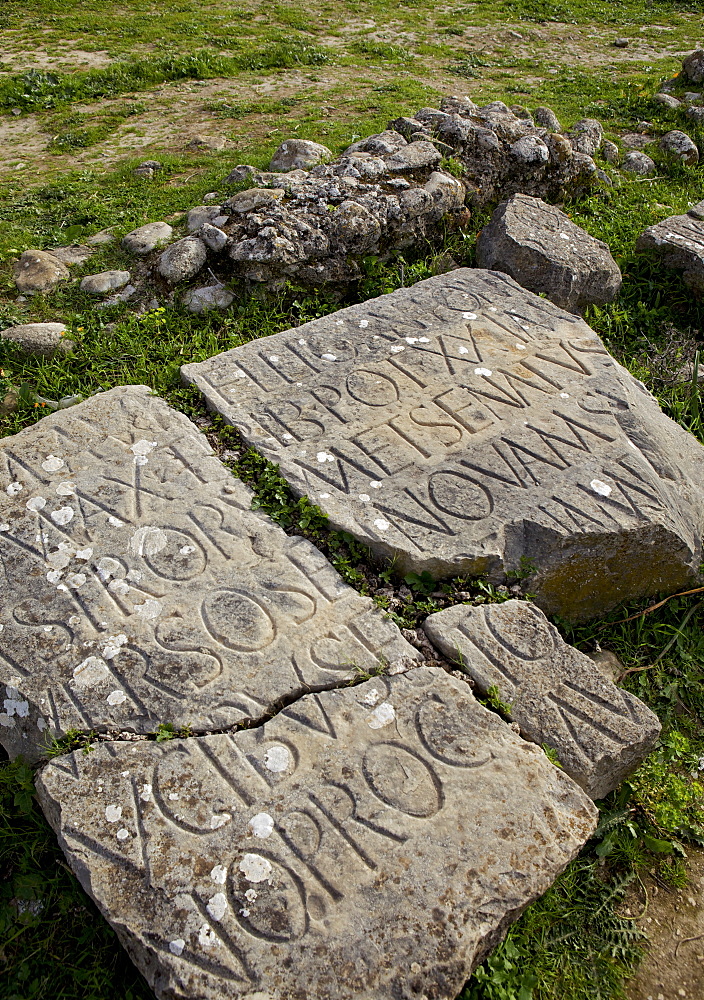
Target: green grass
x=575 y=943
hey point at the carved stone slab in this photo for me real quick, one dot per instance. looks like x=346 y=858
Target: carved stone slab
x=465 y=423
x=137 y=587
x=679 y=243
x=558 y=696
x=369 y=842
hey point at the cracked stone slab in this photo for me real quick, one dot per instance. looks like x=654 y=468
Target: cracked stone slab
x=557 y=695
x=464 y=426
x=139 y=588
x=368 y=842
x=679 y=243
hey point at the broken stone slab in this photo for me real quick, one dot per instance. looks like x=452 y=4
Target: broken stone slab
x=556 y=694
x=138 y=587
x=546 y=252
x=38 y=271
x=679 y=243
x=465 y=425
x=42 y=339
x=145 y=239
x=399 y=812
x=299 y=154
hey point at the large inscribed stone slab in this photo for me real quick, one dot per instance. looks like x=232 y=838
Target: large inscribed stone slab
x=137 y=587
x=465 y=425
x=368 y=842
x=557 y=695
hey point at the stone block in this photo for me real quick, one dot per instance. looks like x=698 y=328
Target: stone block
x=463 y=424
x=138 y=587
x=557 y=695
x=366 y=843
x=678 y=242
x=546 y=252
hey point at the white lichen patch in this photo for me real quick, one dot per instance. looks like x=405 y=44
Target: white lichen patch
x=146 y=793
x=52 y=464
x=482 y=371
x=123 y=833
x=91 y=671
x=251 y=895
x=371 y=698
x=219 y=874
x=113 y=645
x=116 y=698
x=262 y=825
x=603 y=489
x=149 y=610
x=278 y=758
x=218 y=820
x=113 y=813
x=13 y=489
x=176 y=946
x=65 y=489
x=255 y=868
x=62 y=516
x=382 y=524
x=217 y=906
x=35 y=503
x=323 y=456
x=383 y=715
x=147 y=541
x=207 y=937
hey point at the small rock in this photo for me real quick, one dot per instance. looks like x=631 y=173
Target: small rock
x=205 y=213
x=586 y=136
x=693 y=66
x=697 y=211
x=667 y=100
x=610 y=152
x=458 y=106
x=41 y=339
x=242 y=172
x=406 y=127
x=145 y=239
x=414 y=156
x=38 y=271
x=145 y=172
x=182 y=260
x=70 y=256
x=198 y=300
x=679 y=146
x=621 y=43
x=637 y=162
x=695 y=114
x=213 y=237
x=254 y=199
x=106 y=281
x=547 y=118
x=608 y=664
x=150 y=165
x=679 y=243
x=299 y=154
x=9 y=402
x=544 y=251
x=211 y=196
x=201 y=143
x=98 y=239
x=692 y=98
x=530 y=151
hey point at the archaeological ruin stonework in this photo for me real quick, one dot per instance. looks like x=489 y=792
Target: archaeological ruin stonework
x=368 y=842
x=466 y=426
x=139 y=587
x=556 y=694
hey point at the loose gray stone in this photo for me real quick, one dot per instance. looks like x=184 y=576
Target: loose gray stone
x=692 y=97
x=586 y=136
x=199 y=300
x=182 y=260
x=254 y=199
x=697 y=211
x=678 y=243
x=544 y=251
x=213 y=237
x=384 y=143
x=463 y=423
x=106 y=281
x=547 y=118
x=414 y=156
x=610 y=152
x=636 y=162
x=621 y=43
x=201 y=214
x=679 y=146
x=458 y=106
x=530 y=151
x=667 y=100
x=70 y=256
x=693 y=66
x=42 y=339
x=100 y=238
x=138 y=587
x=696 y=115
x=200 y=143
x=556 y=694
x=399 y=812
x=299 y=154
x=38 y=271
x=145 y=239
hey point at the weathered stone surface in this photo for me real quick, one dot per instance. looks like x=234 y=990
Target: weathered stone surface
x=38 y=271
x=610 y=152
x=463 y=423
x=637 y=162
x=667 y=100
x=299 y=154
x=558 y=696
x=679 y=243
x=145 y=239
x=138 y=587
x=202 y=214
x=43 y=339
x=199 y=300
x=697 y=211
x=586 y=136
x=106 y=281
x=213 y=237
x=545 y=251
x=182 y=260
x=399 y=813
x=413 y=156
x=696 y=115
x=693 y=66
x=254 y=199
x=679 y=146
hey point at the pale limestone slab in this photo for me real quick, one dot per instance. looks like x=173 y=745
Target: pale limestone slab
x=366 y=843
x=557 y=695
x=465 y=425
x=137 y=587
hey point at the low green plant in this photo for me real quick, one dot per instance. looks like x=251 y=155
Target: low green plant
x=73 y=739
x=166 y=731
x=492 y=699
